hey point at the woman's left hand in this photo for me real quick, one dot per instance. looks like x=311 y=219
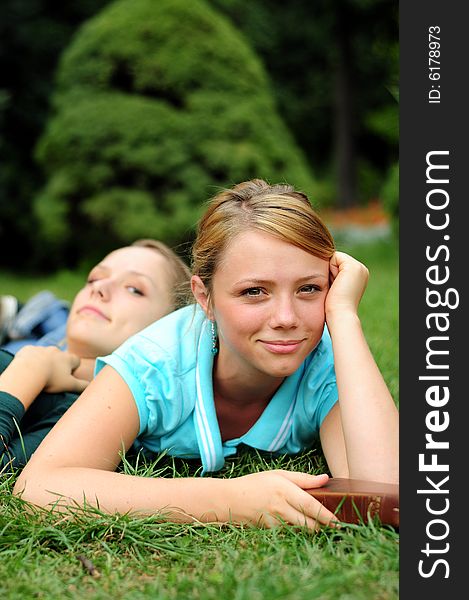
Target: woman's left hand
x=349 y=278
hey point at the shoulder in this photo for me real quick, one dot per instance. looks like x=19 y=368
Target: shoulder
x=175 y=336
x=159 y=366
x=169 y=344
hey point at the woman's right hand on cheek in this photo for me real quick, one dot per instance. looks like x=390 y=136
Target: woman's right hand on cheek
x=270 y=498
x=349 y=279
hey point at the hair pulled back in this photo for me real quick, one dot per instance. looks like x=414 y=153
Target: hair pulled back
x=178 y=270
x=278 y=210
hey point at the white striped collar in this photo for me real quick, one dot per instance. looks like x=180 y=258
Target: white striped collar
x=206 y=423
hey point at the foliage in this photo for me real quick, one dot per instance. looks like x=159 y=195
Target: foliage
x=300 y=43
x=158 y=104
x=32 y=35
x=297 y=43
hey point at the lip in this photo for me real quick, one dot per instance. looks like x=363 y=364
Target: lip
x=92 y=310
x=282 y=346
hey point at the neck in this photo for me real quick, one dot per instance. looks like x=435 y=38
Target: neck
x=240 y=388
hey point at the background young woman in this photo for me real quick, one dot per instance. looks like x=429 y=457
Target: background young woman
x=129 y=289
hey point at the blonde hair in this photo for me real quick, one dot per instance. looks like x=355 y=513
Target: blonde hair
x=276 y=209
x=179 y=271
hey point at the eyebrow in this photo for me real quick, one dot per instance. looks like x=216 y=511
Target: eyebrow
x=140 y=275
x=264 y=281
x=130 y=272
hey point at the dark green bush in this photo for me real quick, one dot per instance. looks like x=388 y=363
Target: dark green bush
x=157 y=105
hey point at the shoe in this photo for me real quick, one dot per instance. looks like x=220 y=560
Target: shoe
x=33 y=312
x=9 y=306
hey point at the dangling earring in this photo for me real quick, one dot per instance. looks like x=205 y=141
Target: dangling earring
x=214 y=338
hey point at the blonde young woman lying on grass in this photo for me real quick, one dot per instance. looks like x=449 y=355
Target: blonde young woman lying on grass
x=251 y=363
x=129 y=289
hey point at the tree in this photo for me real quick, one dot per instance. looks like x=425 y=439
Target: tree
x=331 y=63
x=157 y=105
x=32 y=35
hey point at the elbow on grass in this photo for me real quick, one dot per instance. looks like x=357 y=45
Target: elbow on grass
x=29 y=489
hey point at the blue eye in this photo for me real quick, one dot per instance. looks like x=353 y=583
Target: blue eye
x=310 y=288
x=253 y=292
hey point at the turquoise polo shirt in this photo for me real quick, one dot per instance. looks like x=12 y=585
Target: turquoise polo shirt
x=168 y=368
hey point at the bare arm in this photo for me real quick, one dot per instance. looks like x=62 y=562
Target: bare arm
x=77 y=461
x=365 y=424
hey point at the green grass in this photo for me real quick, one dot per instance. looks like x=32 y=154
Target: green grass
x=65 y=284
x=94 y=555
x=88 y=554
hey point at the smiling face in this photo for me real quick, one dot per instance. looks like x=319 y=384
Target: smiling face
x=124 y=293
x=267 y=299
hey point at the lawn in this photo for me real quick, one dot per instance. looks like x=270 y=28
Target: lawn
x=94 y=555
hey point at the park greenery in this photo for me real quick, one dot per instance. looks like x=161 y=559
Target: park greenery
x=151 y=111
x=92 y=555
x=118 y=119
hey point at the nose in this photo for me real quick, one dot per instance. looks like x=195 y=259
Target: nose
x=284 y=314
x=101 y=288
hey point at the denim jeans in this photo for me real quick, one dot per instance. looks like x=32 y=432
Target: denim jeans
x=40 y=322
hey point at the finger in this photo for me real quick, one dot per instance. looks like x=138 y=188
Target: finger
x=334 y=265
x=333 y=272
x=304 y=520
x=307 y=504
x=306 y=480
x=312 y=508
x=74 y=361
x=300 y=517
x=316 y=481
x=288 y=516
x=321 y=514
x=340 y=257
x=334 y=260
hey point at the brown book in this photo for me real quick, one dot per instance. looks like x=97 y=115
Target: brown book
x=357 y=500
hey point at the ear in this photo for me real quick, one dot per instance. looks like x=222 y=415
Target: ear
x=201 y=295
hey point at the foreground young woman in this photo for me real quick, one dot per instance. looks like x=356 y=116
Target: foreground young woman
x=251 y=363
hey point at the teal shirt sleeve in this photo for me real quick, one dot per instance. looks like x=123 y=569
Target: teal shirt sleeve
x=135 y=362
x=125 y=367
x=156 y=364
x=155 y=382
